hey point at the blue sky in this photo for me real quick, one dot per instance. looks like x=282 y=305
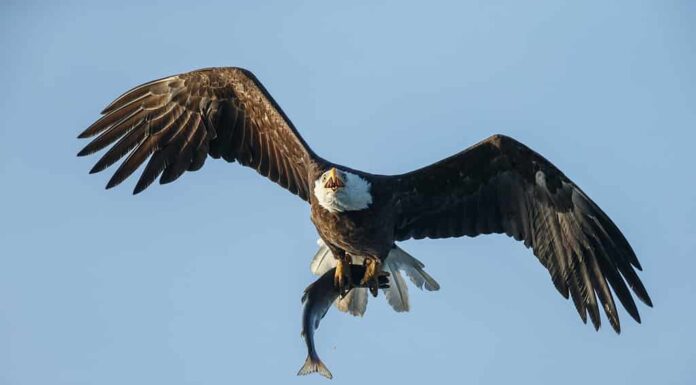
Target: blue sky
x=199 y=282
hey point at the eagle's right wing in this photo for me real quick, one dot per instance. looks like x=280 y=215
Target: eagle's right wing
x=179 y=120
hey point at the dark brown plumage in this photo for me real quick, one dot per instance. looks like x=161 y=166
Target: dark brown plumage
x=502 y=186
x=179 y=120
x=496 y=186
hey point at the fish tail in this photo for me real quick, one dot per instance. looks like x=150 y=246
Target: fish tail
x=314 y=365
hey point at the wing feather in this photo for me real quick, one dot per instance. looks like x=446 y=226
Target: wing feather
x=179 y=120
x=502 y=186
x=130 y=140
x=133 y=161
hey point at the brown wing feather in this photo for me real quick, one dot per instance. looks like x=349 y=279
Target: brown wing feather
x=502 y=186
x=177 y=121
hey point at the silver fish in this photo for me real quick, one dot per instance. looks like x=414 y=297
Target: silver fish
x=317 y=299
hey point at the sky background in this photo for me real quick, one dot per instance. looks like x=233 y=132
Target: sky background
x=199 y=281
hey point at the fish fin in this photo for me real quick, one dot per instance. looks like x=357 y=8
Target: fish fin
x=355 y=302
x=314 y=366
x=397 y=292
x=323 y=260
x=413 y=268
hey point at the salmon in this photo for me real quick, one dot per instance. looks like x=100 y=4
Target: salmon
x=317 y=299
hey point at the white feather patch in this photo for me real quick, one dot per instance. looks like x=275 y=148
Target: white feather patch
x=397 y=292
x=323 y=260
x=354 y=302
x=413 y=268
x=355 y=195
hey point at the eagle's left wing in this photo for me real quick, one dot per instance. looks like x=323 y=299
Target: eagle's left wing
x=502 y=186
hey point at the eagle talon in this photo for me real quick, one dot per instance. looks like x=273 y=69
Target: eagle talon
x=372 y=274
x=342 y=278
x=374 y=289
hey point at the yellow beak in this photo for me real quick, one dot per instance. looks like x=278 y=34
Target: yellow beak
x=334 y=181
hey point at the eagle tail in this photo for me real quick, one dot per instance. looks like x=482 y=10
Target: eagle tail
x=397 y=292
x=314 y=365
x=398 y=260
x=355 y=302
x=323 y=260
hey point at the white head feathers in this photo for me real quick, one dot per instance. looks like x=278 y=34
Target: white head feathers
x=354 y=195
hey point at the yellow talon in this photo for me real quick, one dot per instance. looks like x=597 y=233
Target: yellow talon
x=370 y=279
x=342 y=279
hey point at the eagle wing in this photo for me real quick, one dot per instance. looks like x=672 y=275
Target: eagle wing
x=502 y=186
x=179 y=120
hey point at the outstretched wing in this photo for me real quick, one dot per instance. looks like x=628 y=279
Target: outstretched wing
x=502 y=186
x=178 y=121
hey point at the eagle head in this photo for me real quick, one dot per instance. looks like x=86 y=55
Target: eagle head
x=337 y=191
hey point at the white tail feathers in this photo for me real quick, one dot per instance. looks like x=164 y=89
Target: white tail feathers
x=314 y=366
x=323 y=260
x=413 y=268
x=355 y=302
x=397 y=292
x=398 y=260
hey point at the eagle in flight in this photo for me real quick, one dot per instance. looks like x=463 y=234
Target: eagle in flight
x=496 y=186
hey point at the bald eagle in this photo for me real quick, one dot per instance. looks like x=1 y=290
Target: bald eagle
x=496 y=186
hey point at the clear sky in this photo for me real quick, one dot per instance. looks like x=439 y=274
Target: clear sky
x=199 y=282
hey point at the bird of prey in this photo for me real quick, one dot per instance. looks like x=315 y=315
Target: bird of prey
x=496 y=186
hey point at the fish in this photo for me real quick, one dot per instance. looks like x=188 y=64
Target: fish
x=317 y=299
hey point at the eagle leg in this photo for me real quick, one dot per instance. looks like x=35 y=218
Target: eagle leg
x=342 y=276
x=373 y=269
